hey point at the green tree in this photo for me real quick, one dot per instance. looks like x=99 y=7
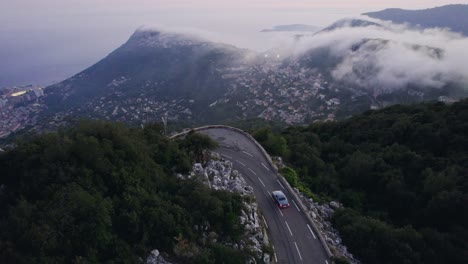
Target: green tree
x=196 y=144
x=102 y=192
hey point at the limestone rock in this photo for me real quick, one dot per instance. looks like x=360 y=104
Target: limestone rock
x=156 y=258
x=335 y=205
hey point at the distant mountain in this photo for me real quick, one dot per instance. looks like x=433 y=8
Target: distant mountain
x=185 y=79
x=292 y=28
x=350 y=23
x=454 y=17
x=157 y=65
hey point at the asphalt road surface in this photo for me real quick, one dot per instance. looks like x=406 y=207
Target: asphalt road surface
x=292 y=237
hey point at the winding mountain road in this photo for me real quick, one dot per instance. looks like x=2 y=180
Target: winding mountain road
x=292 y=237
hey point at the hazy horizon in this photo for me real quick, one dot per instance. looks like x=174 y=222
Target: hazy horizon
x=46 y=42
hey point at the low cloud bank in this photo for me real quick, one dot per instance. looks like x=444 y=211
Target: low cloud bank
x=388 y=57
x=381 y=57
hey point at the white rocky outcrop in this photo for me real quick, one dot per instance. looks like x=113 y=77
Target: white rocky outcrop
x=156 y=258
x=219 y=175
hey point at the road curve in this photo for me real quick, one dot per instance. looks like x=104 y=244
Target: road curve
x=292 y=237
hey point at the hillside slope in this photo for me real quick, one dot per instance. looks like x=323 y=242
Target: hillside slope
x=184 y=79
x=155 y=65
x=453 y=17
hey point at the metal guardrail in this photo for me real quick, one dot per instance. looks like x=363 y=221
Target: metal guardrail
x=283 y=180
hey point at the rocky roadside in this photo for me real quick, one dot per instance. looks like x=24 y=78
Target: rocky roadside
x=219 y=174
x=321 y=214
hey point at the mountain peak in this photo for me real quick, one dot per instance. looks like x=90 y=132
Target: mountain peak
x=146 y=37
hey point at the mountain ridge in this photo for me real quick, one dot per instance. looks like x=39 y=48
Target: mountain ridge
x=157 y=74
x=453 y=17
x=142 y=56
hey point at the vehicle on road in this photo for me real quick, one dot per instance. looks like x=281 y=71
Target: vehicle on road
x=280 y=199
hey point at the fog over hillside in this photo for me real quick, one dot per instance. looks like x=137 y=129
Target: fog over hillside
x=431 y=57
x=393 y=56
x=453 y=17
x=48 y=44
x=350 y=67
x=376 y=54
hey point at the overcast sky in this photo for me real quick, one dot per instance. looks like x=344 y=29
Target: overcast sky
x=44 y=41
x=44 y=4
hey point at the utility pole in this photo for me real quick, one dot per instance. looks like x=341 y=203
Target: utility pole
x=145 y=122
x=164 y=120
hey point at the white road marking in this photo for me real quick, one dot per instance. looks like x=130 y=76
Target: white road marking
x=310 y=229
x=265 y=221
x=298 y=251
x=280 y=212
x=281 y=184
x=248 y=154
x=326 y=262
x=274 y=253
x=225 y=146
x=265 y=167
x=241 y=163
x=296 y=205
x=252 y=171
x=261 y=182
x=288 y=228
x=226 y=156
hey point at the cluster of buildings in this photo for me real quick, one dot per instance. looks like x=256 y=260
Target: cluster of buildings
x=139 y=109
x=19 y=107
x=268 y=90
x=286 y=93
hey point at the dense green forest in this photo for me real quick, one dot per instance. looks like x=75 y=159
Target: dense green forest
x=105 y=193
x=401 y=172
